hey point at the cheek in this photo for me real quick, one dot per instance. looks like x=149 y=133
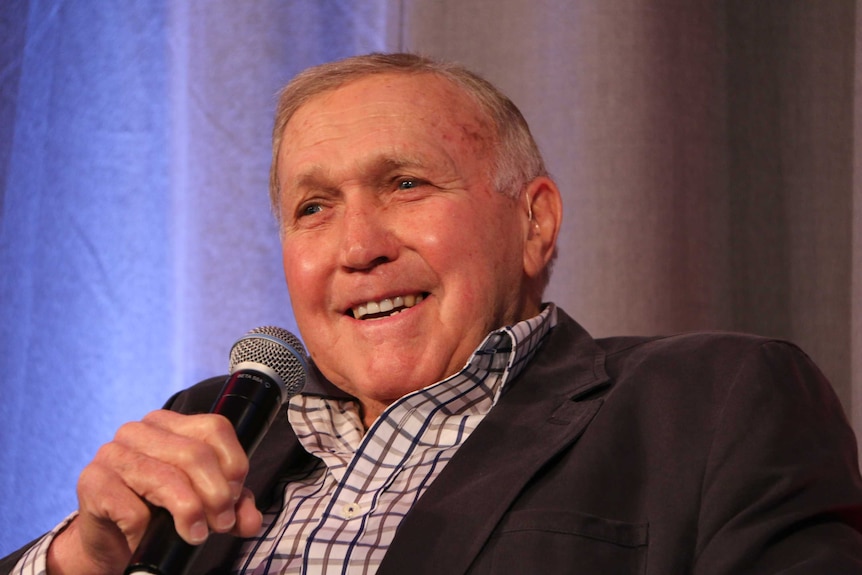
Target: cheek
x=489 y=248
x=462 y=256
x=304 y=275
x=445 y=231
x=482 y=240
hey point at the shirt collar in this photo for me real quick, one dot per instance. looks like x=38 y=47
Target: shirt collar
x=328 y=424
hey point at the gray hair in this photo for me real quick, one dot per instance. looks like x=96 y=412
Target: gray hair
x=517 y=160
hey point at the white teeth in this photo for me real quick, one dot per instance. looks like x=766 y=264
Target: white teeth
x=387 y=305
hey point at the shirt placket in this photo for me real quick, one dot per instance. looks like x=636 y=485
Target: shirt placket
x=373 y=467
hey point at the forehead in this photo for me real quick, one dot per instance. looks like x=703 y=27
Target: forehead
x=389 y=102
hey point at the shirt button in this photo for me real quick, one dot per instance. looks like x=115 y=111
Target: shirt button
x=351 y=510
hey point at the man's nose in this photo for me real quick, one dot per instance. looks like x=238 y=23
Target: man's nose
x=367 y=237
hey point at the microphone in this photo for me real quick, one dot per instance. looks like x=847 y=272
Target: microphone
x=268 y=366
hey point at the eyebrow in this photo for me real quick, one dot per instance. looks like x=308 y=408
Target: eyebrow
x=373 y=171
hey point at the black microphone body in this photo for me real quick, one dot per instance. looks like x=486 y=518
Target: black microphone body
x=268 y=366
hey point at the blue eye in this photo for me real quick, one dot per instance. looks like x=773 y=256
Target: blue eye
x=407 y=184
x=310 y=209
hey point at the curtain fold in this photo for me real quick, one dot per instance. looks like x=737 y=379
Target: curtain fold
x=707 y=153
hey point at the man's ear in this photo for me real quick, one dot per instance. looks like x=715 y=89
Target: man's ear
x=544 y=213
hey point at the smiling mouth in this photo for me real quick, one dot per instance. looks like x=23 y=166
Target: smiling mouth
x=386 y=307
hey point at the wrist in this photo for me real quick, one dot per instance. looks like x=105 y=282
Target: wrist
x=67 y=555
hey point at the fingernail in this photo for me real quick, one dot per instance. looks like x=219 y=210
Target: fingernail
x=198 y=532
x=236 y=490
x=225 y=521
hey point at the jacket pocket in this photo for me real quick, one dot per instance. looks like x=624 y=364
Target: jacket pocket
x=549 y=541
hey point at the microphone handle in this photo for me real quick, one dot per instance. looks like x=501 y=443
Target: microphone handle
x=250 y=400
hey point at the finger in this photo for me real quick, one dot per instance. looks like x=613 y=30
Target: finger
x=204 y=448
x=211 y=435
x=111 y=517
x=159 y=483
x=213 y=429
x=248 y=518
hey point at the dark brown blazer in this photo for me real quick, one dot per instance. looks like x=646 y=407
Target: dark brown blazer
x=704 y=453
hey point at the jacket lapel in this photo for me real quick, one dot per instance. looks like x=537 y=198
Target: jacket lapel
x=537 y=417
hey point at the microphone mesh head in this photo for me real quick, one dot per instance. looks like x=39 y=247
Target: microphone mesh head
x=277 y=349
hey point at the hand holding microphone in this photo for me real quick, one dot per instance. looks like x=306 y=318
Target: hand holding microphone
x=193 y=466
x=267 y=367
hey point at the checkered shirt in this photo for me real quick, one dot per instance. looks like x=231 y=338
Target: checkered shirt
x=341 y=515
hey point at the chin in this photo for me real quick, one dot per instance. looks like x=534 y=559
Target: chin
x=390 y=392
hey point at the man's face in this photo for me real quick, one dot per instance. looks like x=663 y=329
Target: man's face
x=386 y=202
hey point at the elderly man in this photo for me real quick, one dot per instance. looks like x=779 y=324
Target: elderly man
x=455 y=422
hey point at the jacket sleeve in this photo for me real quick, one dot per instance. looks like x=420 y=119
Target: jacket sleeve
x=782 y=491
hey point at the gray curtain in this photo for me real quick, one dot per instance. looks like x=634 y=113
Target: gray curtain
x=706 y=151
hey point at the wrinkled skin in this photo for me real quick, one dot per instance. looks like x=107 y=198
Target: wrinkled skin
x=387 y=193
